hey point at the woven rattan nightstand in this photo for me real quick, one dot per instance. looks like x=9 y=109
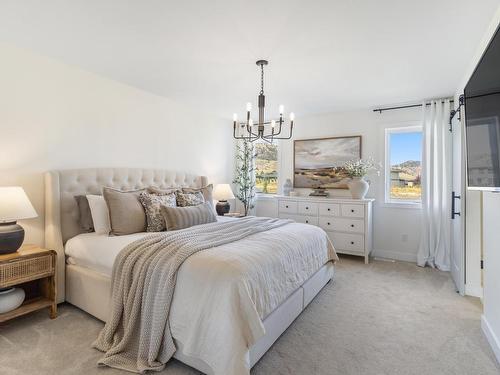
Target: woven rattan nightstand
x=33 y=269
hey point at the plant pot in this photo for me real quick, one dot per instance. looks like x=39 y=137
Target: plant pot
x=11 y=299
x=358 y=187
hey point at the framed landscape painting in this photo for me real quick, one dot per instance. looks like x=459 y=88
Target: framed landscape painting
x=318 y=163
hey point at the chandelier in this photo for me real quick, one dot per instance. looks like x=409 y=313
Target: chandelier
x=267 y=131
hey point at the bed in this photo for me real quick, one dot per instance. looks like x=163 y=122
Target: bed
x=84 y=280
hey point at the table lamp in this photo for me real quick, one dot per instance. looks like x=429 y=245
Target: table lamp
x=222 y=193
x=14 y=205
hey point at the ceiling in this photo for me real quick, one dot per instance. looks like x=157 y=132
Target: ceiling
x=324 y=55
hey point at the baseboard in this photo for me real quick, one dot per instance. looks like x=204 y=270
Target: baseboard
x=474 y=290
x=491 y=337
x=396 y=255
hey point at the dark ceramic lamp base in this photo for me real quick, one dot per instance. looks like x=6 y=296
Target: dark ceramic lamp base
x=222 y=207
x=11 y=237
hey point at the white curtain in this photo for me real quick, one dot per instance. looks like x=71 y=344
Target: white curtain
x=434 y=249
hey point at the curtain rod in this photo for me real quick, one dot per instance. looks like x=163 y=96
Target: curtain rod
x=380 y=110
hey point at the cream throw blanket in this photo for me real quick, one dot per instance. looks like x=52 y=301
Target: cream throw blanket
x=137 y=334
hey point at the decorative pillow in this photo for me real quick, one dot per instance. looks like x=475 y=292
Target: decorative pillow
x=189 y=199
x=185 y=217
x=85 y=216
x=152 y=203
x=159 y=191
x=207 y=192
x=100 y=213
x=126 y=214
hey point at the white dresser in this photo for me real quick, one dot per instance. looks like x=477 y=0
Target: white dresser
x=348 y=222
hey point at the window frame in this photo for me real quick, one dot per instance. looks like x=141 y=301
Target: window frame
x=258 y=194
x=403 y=128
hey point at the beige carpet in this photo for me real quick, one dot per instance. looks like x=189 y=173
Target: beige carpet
x=384 y=318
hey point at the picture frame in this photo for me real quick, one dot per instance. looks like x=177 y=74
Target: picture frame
x=317 y=162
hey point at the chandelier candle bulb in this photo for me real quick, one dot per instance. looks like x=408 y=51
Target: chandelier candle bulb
x=249 y=107
x=273 y=123
x=281 y=109
x=250 y=122
x=235 y=117
x=292 y=116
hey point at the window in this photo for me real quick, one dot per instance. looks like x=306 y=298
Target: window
x=403 y=165
x=266 y=168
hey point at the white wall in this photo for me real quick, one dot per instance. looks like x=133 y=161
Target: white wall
x=488 y=233
x=396 y=230
x=56 y=116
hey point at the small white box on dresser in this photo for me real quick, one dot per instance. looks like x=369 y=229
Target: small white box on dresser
x=348 y=222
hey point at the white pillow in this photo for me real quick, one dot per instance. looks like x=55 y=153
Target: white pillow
x=100 y=214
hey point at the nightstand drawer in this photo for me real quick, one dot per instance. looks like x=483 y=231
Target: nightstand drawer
x=21 y=270
x=289 y=207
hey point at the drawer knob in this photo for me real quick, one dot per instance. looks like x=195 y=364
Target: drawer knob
x=307 y=221
x=352 y=210
x=307 y=208
x=352 y=225
x=327 y=223
x=286 y=206
x=352 y=242
x=328 y=209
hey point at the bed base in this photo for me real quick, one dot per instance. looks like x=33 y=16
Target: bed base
x=90 y=291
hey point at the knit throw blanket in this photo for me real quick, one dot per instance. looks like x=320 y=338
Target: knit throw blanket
x=137 y=335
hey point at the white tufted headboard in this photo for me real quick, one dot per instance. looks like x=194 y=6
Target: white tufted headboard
x=61 y=210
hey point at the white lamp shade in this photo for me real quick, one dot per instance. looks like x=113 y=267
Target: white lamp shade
x=15 y=205
x=223 y=192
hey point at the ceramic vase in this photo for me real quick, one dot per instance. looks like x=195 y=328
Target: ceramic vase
x=358 y=187
x=287 y=187
x=11 y=299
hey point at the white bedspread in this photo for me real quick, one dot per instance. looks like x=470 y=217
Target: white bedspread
x=224 y=293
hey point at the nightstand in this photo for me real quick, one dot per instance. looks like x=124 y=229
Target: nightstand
x=33 y=269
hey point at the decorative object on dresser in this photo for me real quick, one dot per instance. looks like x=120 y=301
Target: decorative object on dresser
x=348 y=222
x=14 y=205
x=287 y=187
x=357 y=170
x=319 y=162
x=32 y=270
x=244 y=179
x=319 y=192
x=222 y=193
x=267 y=131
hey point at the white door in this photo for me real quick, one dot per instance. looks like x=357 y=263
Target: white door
x=458 y=204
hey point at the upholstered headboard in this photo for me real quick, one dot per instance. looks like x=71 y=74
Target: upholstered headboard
x=61 y=210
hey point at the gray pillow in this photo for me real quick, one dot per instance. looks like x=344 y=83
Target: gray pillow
x=85 y=216
x=185 y=217
x=126 y=213
x=189 y=199
x=207 y=192
x=159 y=191
x=151 y=204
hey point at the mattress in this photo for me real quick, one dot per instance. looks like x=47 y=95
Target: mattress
x=224 y=293
x=98 y=251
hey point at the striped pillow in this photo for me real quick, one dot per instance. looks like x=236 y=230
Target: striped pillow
x=185 y=217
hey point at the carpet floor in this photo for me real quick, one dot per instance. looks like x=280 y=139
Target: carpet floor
x=381 y=318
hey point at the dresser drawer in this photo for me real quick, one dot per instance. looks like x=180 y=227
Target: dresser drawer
x=349 y=225
x=288 y=207
x=313 y=220
x=327 y=223
x=349 y=242
x=308 y=208
x=329 y=209
x=353 y=210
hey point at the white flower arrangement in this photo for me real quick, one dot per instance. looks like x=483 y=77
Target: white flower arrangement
x=361 y=167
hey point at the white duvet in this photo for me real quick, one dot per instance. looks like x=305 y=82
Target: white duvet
x=223 y=294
